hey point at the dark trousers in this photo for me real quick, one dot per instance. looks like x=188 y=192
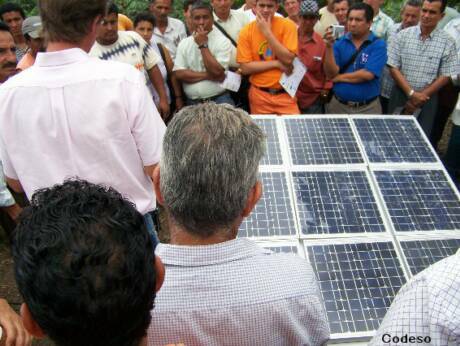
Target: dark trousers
x=448 y=96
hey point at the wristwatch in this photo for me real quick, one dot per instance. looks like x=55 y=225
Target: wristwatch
x=204 y=45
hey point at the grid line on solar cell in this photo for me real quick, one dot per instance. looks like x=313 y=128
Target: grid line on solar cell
x=322 y=141
x=273 y=151
x=421 y=254
x=393 y=140
x=419 y=200
x=358 y=283
x=283 y=249
x=336 y=202
x=272 y=215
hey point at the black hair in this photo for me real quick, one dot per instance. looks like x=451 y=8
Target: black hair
x=112 y=8
x=4 y=27
x=84 y=264
x=443 y=4
x=350 y=2
x=188 y=3
x=144 y=17
x=11 y=7
x=199 y=5
x=361 y=6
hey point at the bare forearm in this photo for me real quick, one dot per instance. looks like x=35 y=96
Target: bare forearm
x=400 y=80
x=214 y=69
x=189 y=76
x=356 y=77
x=14 y=184
x=157 y=81
x=434 y=87
x=283 y=54
x=331 y=69
x=176 y=86
x=254 y=67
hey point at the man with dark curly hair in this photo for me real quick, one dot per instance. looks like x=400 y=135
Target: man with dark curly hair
x=85 y=266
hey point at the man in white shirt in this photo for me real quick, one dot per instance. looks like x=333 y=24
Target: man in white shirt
x=168 y=31
x=89 y=118
x=129 y=47
x=203 y=58
x=327 y=18
x=220 y=289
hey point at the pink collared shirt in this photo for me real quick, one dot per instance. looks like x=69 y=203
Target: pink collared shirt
x=70 y=115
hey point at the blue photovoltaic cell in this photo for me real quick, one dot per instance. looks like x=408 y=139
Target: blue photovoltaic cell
x=272 y=215
x=393 y=140
x=283 y=249
x=419 y=200
x=322 y=141
x=273 y=151
x=421 y=254
x=358 y=283
x=336 y=202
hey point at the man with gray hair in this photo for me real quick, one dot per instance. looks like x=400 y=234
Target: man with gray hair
x=221 y=289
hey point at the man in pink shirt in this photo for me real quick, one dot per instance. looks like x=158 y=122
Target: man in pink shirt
x=314 y=86
x=70 y=115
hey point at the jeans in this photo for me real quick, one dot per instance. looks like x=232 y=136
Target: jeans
x=224 y=98
x=151 y=229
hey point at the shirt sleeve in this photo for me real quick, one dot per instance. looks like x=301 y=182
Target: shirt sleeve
x=394 y=51
x=146 y=125
x=243 y=51
x=180 y=62
x=449 y=61
x=377 y=58
x=150 y=57
x=223 y=52
x=290 y=37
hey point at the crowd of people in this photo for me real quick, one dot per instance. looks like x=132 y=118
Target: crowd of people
x=73 y=104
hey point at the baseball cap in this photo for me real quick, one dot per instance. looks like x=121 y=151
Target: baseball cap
x=309 y=8
x=32 y=26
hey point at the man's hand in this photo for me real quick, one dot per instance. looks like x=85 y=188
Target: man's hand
x=13 y=211
x=285 y=68
x=328 y=38
x=409 y=108
x=418 y=99
x=163 y=108
x=264 y=25
x=15 y=333
x=200 y=36
x=179 y=103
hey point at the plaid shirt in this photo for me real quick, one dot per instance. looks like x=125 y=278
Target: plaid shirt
x=387 y=80
x=427 y=306
x=381 y=25
x=236 y=293
x=423 y=61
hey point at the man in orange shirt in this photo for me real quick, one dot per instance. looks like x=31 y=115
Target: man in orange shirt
x=266 y=49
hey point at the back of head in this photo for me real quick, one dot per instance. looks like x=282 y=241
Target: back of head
x=210 y=162
x=69 y=20
x=11 y=7
x=84 y=265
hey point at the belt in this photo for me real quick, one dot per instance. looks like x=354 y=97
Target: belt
x=271 y=91
x=210 y=99
x=356 y=104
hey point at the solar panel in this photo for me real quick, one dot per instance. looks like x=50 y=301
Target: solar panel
x=273 y=152
x=358 y=283
x=336 y=202
x=283 y=249
x=419 y=200
x=421 y=254
x=272 y=215
x=319 y=141
x=393 y=140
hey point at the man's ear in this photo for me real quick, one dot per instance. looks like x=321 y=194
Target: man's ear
x=254 y=195
x=156 y=184
x=29 y=323
x=160 y=273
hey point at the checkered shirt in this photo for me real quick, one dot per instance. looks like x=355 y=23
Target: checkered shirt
x=236 y=293
x=422 y=62
x=381 y=25
x=387 y=80
x=6 y=199
x=427 y=306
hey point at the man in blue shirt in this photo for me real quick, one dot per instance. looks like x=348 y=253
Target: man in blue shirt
x=355 y=63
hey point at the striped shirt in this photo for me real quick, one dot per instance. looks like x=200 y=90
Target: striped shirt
x=387 y=80
x=423 y=61
x=381 y=25
x=427 y=307
x=236 y=293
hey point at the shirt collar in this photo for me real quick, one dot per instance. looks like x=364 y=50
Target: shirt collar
x=431 y=35
x=315 y=38
x=62 y=57
x=196 y=256
x=371 y=37
x=217 y=19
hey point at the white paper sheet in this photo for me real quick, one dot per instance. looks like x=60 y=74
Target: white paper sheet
x=232 y=81
x=291 y=83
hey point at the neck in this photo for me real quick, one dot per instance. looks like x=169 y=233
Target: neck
x=330 y=7
x=294 y=18
x=180 y=236
x=308 y=34
x=426 y=31
x=223 y=16
x=19 y=40
x=358 y=40
x=162 y=23
x=376 y=11
x=58 y=46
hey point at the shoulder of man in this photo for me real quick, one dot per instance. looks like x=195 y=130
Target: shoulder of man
x=176 y=23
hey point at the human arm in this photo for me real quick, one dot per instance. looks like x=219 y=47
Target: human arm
x=331 y=69
x=189 y=76
x=158 y=83
x=179 y=97
x=254 y=67
x=15 y=333
x=214 y=69
x=284 y=55
x=359 y=76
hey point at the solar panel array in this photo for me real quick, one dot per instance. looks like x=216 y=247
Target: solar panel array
x=367 y=200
